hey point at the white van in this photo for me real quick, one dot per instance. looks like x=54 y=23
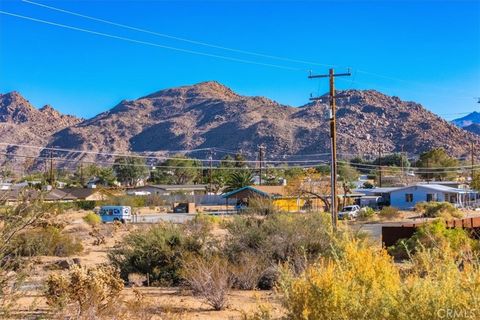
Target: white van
x=116 y=213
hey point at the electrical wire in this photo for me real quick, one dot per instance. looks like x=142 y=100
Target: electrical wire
x=112 y=154
x=149 y=43
x=164 y=35
x=216 y=46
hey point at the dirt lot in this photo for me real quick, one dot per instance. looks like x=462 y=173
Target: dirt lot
x=169 y=303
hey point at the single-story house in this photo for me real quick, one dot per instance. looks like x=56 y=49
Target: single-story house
x=377 y=192
x=13 y=196
x=408 y=197
x=167 y=189
x=278 y=195
x=86 y=194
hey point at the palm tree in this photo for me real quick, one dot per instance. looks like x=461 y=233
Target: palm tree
x=238 y=179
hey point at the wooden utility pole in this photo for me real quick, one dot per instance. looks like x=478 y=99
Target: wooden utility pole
x=210 y=158
x=379 y=167
x=261 y=149
x=51 y=169
x=333 y=139
x=473 y=161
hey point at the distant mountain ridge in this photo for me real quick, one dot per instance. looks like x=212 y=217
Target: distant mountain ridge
x=209 y=114
x=467 y=120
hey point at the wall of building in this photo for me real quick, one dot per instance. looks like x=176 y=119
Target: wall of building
x=398 y=198
x=289 y=204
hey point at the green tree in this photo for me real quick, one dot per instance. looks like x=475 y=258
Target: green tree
x=177 y=170
x=475 y=184
x=238 y=179
x=396 y=160
x=437 y=164
x=83 y=174
x=129 y=170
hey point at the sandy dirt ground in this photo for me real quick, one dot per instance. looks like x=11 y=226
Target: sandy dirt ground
x=169 y=303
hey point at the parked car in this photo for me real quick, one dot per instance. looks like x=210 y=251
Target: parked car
x=116 y=213
x=349 y=212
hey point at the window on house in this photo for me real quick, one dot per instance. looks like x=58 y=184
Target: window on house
x=408 y=197
x=431 y=197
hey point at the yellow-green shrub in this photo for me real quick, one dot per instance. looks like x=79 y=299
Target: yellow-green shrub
x=360 y=284
x=364 y=283
x=92 y=219
x=444 y=210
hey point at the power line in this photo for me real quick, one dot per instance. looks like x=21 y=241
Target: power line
x=57 y=159
x=164 y=35
x=216 y=46
x=385 y=169
x=112 y=154
x=149 y=43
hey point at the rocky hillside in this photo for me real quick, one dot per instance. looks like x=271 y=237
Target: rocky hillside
x=209 y=114
x=21 y=123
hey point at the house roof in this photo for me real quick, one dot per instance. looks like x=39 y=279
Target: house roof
x=267 y=191
x=377 y=190
x=437 y=187
x=80 y=193
x=176 y=187
x=29 y=194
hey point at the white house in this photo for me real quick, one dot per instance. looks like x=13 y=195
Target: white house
x=408 y=197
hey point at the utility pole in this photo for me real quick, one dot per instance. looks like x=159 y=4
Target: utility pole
x=51 y=169
x=210 y=158
x=333 y=139
x=261 y=149
x=473 y=161
x=379 y=167
x=82 y=182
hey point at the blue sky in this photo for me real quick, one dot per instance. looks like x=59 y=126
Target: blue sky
x=433 y=47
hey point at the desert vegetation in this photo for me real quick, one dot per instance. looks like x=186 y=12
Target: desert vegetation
x=311 y=271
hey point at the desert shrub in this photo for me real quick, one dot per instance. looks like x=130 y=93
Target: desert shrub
x=157 y=252
x=92 y=219
x=46 y=241
x=363 y=283
x=209 y=278
x=131 y=201
x=25 y=216
x=435 y=235
x=389 y=213
x=360 y=283
x=154 y=201
x=366 y=213
x=86 y=204
x=88 y=293
x=444 y=210
x=292 y=238
x=248 y=272
x=261 y=206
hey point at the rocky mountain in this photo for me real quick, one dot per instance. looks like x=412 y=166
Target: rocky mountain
x=209 y=115
x=474 y=127
x=21 y=123
x=469 y=119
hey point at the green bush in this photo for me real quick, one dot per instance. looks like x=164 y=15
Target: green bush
x=86 y=204
x=293 y=238
x=438 y=210
x=366 y=213
x=158 y=252
x=389 y=213
x=47 y=241
x=434 y=235
x=131 y=201
x=92 y=219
